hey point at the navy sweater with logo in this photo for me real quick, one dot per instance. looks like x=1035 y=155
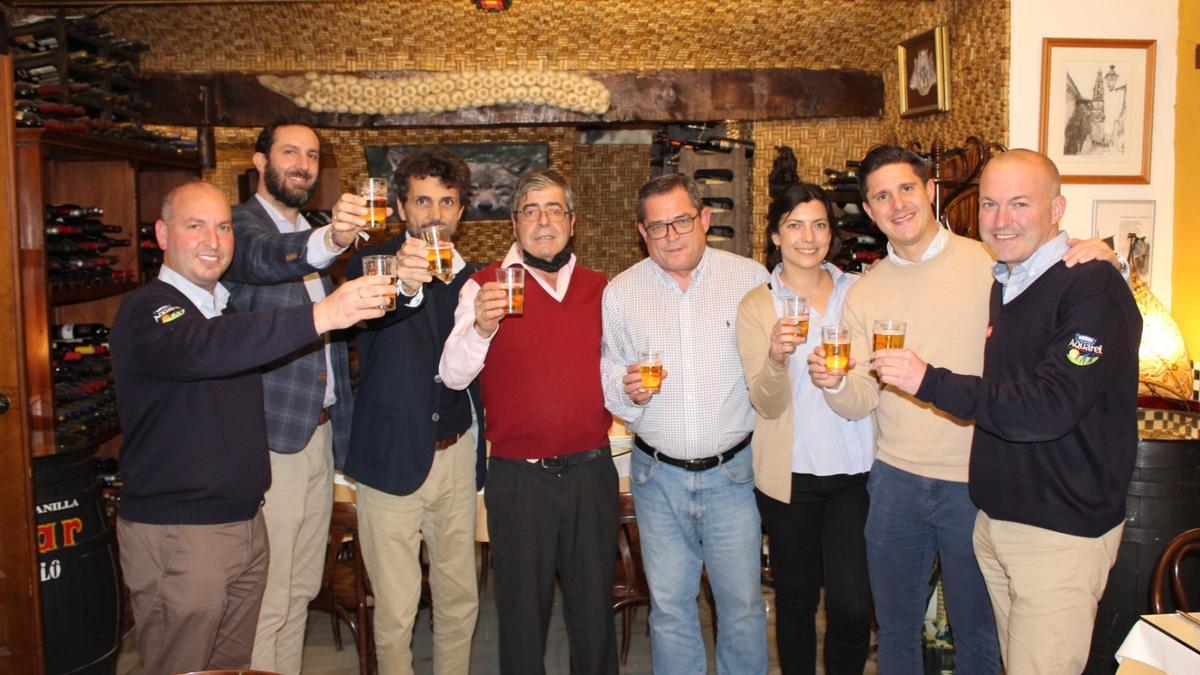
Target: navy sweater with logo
x=1056 y=408
x=190 y=399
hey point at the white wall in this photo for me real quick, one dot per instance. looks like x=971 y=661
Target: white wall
x=1158 y=20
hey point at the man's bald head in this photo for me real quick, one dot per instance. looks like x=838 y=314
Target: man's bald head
x=1020 y=204
x=1041 y=166
x=195 y=233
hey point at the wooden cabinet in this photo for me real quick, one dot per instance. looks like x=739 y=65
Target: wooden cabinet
x=127 y=181
x=20 y=607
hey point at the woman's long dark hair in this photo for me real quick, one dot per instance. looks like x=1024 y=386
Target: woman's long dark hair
x=783 y=203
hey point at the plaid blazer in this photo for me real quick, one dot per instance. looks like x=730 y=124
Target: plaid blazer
x=267 y=273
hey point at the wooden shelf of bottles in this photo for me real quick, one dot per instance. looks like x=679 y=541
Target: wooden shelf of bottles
x=75 y=62
x=128 y=182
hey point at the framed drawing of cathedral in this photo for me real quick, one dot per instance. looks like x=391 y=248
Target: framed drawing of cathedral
x=1097 y=109
x=924 y=73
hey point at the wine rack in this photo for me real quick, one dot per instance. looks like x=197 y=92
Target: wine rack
x=723 y=176
x=863 y=242
x=126 y=182
x=73 y=75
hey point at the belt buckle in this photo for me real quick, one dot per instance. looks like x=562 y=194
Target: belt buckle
x=556 y=463
x=695 y=464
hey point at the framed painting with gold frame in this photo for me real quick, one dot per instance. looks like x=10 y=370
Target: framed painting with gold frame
x=1097 y=108
x=924 y=84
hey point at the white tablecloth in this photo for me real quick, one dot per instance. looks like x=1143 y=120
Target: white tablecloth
x=1168 y=642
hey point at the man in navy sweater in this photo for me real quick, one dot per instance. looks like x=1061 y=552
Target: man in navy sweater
x=194 y=458
x=1055 y=420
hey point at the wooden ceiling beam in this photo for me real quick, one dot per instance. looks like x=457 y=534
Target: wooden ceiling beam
x=239 y=99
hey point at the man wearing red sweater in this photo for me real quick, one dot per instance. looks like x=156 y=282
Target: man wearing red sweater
x=551 y=488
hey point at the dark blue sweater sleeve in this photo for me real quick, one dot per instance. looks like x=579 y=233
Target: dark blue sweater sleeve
x=189 y=347
x=1066 y=382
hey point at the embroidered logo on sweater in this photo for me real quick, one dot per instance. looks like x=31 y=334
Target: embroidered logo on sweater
x=1084 y=350
x=168 y=313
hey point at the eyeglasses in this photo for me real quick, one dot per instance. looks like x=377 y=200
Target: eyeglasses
x=532 y=214
x=681 y=225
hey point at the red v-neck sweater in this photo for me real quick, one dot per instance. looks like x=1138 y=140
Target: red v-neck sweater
x=541 y=378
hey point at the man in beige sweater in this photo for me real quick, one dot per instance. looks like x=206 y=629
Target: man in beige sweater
x=938 y=284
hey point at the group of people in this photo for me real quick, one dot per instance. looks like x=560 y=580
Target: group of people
x=1007 y=456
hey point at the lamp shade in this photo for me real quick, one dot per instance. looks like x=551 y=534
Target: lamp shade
x=1164 y=370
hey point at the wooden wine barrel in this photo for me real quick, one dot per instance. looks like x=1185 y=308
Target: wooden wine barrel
x=77 y=561
x=1163 y=501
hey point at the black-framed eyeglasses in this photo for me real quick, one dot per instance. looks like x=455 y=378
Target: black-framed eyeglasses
x=681 y=225
x=532 y=214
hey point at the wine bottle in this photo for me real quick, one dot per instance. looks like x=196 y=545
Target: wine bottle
x=713 y=175
x=78 y=262
x=44 y=108
x=718 y=204
x=28 y=120
x=61 y=246
x=77 y=227
x=72 y=211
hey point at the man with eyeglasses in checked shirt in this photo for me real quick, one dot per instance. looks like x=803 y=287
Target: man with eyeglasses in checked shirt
x=692 y=476
x=551 y=488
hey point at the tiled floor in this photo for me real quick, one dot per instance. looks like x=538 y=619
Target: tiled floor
x=321 y=657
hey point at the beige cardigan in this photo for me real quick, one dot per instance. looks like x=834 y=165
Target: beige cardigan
x=770 y=393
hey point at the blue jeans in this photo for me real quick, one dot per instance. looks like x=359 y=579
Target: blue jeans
x=911 y=519
x=704 y=518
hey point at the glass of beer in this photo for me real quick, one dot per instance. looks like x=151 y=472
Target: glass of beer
x=382 y=265
x=375 y=191
x=438 y=251
x=795 y=311
x=889 y=334
x=650 y=365
x=513 y=281
x=836 y=341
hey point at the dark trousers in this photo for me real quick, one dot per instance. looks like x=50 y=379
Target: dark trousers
x=820 y=535
x=544 y=523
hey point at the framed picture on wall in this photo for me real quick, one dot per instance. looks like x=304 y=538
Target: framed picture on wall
x=1097 y=108
x=495 y=168
x=924 y=73
x=1130 y=224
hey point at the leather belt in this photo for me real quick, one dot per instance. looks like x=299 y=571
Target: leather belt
x=561 y=462
x=701 y=464
x=448 y=441
x=324 y=416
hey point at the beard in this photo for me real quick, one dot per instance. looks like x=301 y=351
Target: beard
x=288 y=196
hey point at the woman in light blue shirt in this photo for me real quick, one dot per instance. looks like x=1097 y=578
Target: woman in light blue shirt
x=810 y=464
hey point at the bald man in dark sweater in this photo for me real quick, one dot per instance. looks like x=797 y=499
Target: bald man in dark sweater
x=1055 y=420
x=194 y=455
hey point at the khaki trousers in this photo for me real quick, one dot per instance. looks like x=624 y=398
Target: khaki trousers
x=1044 y=587
x=194 y=591
x=442 y=511
x=297 y=509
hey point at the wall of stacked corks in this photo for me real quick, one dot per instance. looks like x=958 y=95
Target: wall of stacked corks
x=442 y=36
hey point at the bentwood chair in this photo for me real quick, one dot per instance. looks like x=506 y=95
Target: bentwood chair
x=629 y=579
x=345 y=588
x=1168 y=568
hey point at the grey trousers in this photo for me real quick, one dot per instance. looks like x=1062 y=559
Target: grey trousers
x=195 y=592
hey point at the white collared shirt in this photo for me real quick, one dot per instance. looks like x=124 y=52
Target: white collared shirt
x=210 y=304
x=935 y=247
x=1022 y=275
x=704 y=406
x=465 y=351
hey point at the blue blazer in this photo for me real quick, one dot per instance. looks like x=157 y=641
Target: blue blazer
x=268 y=272
x=399 y=392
